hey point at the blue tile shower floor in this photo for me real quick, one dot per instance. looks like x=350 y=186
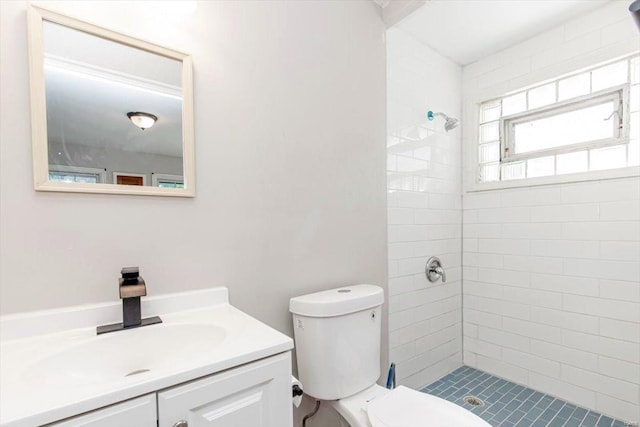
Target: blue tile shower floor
x=507 y=404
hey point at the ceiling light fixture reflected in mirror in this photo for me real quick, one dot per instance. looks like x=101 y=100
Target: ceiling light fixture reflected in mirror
x=142 y=120
x=634 y=8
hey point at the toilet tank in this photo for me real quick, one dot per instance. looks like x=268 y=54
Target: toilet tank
x=337 y=340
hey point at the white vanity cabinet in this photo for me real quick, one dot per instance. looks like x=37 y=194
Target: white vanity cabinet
x=138 y=412
x=257 y=394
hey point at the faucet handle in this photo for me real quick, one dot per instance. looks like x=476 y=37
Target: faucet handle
x=130 y=274
x=440 y=271
x=433 y=270
x=131 y=284
x=136 y=289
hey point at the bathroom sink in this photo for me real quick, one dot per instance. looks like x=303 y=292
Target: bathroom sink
x=54 y=366
x=127 y=354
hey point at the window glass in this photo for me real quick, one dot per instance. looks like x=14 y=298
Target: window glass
x=635 y=70
x=73 y=177
x=170 y=184
x=514 y=104
x=611 y=75
x=634 y=98
x=541 y=96
x=490 y=111
x=608 y=158
x=489 y=152
x=634 y=125
x=513 y=170
x=587 y=121
x=585 y=124
x=633 y=153
x=490 y=172
x=541 y=166
x=574 y=86
x=572 y=162
x=489 y=132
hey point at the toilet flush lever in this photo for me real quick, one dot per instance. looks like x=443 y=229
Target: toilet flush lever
x=433 y=270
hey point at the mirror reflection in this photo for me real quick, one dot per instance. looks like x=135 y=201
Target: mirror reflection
x=114 y=112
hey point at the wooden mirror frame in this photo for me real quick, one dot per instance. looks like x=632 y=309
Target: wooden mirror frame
x=36 y=17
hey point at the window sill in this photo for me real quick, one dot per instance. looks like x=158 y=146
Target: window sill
x=628 y=172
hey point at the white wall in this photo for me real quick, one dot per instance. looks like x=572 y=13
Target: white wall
x=552 y=273
x=290 y=155
x=423 y=169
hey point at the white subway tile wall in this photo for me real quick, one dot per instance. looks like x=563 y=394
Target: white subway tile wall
x=552 y=273
x=424 y=200
x=554 y=302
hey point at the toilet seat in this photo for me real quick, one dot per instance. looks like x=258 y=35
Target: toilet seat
x=404 y=407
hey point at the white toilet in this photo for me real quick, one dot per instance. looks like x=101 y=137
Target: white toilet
x=337 y=336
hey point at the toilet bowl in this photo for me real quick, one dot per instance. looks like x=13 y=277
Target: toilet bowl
x=403 y=407
x=337 y=337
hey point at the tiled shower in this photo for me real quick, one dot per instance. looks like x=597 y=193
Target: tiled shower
x=423 y=179
x=507 y=404
x=543 y=287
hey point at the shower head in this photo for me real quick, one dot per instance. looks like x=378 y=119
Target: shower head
x=450 y=122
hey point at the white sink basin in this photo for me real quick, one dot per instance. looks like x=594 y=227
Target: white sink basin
x=129 y=353
x=53 y=365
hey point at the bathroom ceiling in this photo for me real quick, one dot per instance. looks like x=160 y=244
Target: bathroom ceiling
x=91 y=85
x=467 y=30
x=86 y=110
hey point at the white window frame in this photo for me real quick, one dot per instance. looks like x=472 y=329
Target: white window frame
x=157 y=177
x=618 y=94
x=472 y=173
x=81 y=170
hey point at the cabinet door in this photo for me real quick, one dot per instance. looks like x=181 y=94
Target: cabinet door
x=138 y=412
x=257 y=394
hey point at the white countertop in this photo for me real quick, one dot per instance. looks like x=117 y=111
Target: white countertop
x=31 y=395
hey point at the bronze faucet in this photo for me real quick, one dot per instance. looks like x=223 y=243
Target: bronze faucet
x=131 y=287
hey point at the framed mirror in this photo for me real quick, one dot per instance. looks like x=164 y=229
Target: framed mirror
x=110 y=113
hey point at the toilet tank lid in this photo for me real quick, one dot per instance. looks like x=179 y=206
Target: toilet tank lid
x=337 y=302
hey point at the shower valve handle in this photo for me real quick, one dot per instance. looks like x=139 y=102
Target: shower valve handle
x=433 y=270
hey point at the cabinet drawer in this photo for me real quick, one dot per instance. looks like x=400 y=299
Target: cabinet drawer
x=257 y=394
x=138 y=412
